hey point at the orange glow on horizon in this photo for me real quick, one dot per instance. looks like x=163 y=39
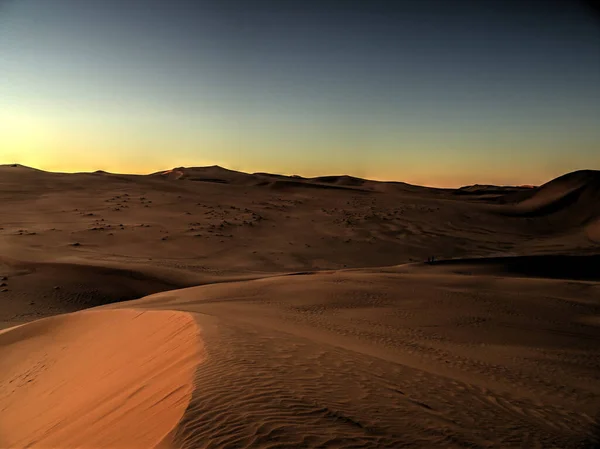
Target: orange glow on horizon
x=431 y=179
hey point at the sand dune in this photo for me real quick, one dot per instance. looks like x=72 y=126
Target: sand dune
x=97 y=379
x=291 y=184
x=492 y=192
x=404 y=356
x=574 y=195
x=321 y=325
x=227 y=227
x=213 y=173
x=39 y=289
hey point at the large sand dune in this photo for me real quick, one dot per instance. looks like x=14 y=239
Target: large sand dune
x=277 y=311
x=97 y=379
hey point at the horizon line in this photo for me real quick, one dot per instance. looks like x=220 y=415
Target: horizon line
x=258 y=173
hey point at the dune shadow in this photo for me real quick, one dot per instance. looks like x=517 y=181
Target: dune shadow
x=556 y=266
x=593 y=440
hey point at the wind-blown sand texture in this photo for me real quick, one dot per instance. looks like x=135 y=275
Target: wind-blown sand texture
x=96 y=379
x=282 y=311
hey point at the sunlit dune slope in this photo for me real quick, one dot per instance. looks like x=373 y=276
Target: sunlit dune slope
x=97 y=379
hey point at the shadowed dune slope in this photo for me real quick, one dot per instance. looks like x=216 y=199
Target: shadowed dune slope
x=343 y=180
x=291 y=184
x=35 y=290
x=547 y=266
x=377 y=186
x=490 y=191
x=575 y=195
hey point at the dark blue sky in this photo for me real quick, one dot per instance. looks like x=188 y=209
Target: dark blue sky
x=439 y=92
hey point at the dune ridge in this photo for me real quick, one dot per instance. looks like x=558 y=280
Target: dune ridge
x=575 y=192
x=406 y=356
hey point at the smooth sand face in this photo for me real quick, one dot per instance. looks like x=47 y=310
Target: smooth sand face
x=96 y=379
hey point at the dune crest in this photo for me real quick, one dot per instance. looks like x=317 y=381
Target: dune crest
x=97 y=379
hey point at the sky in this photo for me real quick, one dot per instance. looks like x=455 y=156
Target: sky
x=442 y=93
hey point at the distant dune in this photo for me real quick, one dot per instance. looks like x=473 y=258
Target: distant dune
x=219 y=174
x=489 y=190
x=571 y=201
x=19 y=167
x=213 y=173
x=341 y=180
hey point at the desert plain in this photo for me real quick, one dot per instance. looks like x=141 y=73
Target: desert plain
x=210 y=308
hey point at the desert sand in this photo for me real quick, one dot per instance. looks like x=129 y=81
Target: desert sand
x=97 y=379
x=209 y=308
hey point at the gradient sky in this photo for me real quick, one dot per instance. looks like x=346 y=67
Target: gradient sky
x=441 y=93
